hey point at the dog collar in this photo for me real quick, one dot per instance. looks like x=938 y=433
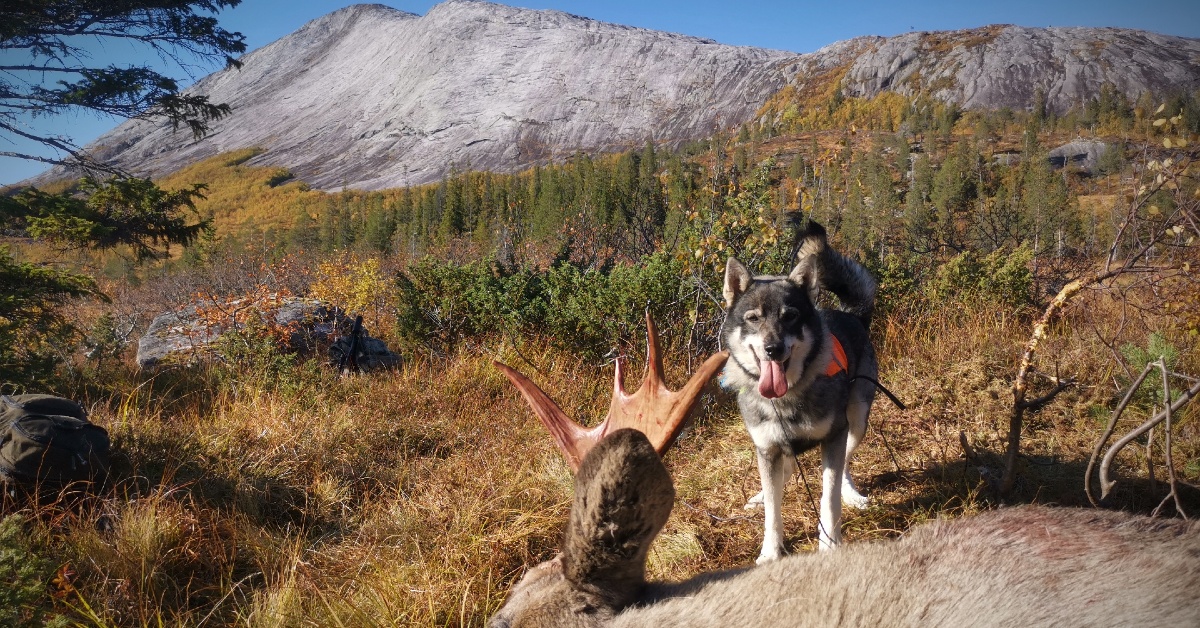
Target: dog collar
x=838 y=361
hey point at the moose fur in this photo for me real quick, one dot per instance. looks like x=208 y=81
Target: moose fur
x=1023 y=566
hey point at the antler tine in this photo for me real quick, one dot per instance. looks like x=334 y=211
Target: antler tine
x=654 y=364
x=653 y=409
x=573 y=439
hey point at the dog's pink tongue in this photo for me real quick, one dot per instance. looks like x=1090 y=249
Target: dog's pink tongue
x=772 y=383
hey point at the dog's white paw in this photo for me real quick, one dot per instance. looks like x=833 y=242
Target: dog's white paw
x=768 y=556
x=826 y=544
x=854 y=499
x=755 y=502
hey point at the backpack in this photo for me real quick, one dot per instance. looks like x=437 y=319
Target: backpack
x=48 y=441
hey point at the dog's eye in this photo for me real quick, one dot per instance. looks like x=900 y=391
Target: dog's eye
x=787 y=315
x=751 y=317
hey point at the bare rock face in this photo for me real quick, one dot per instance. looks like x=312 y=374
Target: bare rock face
x=1004 y=66
x=370 y=97
x=1081 y=154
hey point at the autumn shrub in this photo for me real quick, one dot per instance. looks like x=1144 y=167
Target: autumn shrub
x=357 y=287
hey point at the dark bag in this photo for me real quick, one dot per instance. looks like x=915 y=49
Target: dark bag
x=48 y=441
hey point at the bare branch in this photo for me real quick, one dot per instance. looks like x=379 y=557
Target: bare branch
x=1171 y=477
x=1060 y=385
x=1132 y=264
x=1108 y=431
x=27 y=157
x=1106 y=485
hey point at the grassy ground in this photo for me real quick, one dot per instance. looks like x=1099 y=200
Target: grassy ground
x=417 y=497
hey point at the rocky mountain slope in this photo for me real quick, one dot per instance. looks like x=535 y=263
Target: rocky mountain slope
x=371 y=97
x=1004 y=65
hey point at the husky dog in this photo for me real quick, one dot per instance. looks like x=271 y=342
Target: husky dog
x=804 y=376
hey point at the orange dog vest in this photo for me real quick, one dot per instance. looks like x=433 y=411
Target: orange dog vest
x=839 y=361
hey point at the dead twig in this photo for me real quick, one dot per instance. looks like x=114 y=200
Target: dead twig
x=1171 y=477
x=1170 y=407
x=968 y=451
x=1108 y=431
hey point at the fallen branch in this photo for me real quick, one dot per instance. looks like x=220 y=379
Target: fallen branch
x=1108 y=431
x=1165 y=415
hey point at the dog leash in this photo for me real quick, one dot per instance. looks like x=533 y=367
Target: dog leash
x=881 y=387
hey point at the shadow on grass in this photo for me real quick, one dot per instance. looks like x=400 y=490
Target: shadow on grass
x=1040 y=480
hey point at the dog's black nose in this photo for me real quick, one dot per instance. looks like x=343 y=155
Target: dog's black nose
x=774 y=350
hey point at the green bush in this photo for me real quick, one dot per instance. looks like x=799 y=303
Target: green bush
x=588 y=311
x=441 y=303
x=1157 y=346
x=1000 y=277
x=33 y=330
x=251 y=355
x=25 y=597
x=896 y=279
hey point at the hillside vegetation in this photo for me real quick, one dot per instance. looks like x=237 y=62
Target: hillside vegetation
x=263 y=489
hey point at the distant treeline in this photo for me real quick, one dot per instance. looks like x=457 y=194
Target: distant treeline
x=918 y=188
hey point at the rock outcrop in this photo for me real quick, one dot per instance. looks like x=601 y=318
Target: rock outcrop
x=1082 y=155
x=371 y=97
x=1005 y=66
x=183 y=336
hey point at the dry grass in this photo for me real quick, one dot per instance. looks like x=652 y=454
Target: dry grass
x=417 y=497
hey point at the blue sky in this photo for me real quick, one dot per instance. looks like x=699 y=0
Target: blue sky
x=798 y=26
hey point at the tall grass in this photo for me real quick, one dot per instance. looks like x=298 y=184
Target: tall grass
x=417 y=497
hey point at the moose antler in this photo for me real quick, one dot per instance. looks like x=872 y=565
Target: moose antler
x=654 y=409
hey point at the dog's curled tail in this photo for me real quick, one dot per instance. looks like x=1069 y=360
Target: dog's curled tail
x=844 y=277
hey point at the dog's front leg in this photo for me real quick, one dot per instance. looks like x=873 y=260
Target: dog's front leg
x=833 y=466
x=773 y=470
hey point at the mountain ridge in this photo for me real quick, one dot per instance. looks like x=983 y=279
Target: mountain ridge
x=372 y=97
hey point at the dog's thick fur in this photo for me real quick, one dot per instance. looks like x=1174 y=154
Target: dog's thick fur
x=1024 y=566
x=780 y=345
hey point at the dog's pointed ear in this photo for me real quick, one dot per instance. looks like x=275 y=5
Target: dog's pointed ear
x=623 y=496
x=737 y=280
x=805 y=274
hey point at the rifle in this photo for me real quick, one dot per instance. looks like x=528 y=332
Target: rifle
x=349 y=359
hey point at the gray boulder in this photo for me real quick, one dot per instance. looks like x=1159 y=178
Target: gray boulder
x=1081 y=155
x=181 y=337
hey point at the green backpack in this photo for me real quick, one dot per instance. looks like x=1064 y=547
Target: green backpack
x=48 y=441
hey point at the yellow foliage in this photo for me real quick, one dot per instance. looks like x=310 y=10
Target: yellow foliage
x=356 y=286
x=240 y=198
x=819 y=108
